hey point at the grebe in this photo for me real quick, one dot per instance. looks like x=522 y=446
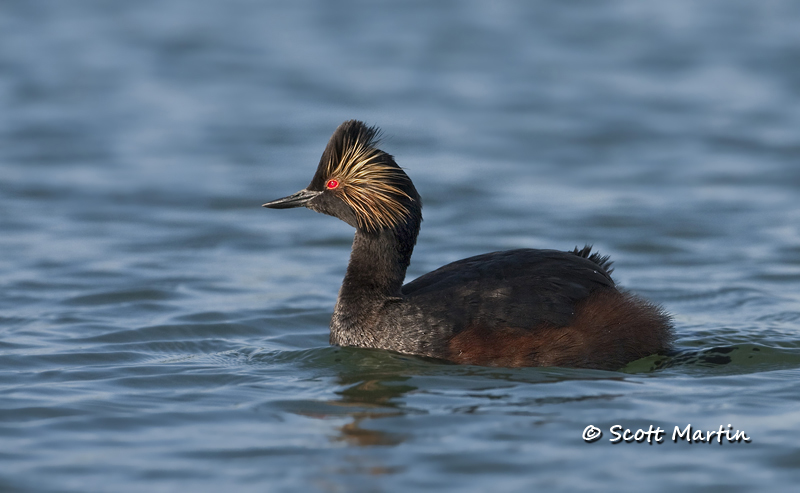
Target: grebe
x=515 y=308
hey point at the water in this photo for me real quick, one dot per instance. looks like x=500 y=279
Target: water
x=159 y=331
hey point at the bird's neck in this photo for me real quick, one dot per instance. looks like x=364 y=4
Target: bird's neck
x=374 y=277
x=378 y=264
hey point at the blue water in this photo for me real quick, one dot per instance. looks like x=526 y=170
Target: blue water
x=160 y=331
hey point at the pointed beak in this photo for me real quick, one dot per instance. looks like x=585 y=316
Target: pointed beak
x=298 y=199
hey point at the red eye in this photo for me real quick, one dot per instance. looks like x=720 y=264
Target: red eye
x=332 y=184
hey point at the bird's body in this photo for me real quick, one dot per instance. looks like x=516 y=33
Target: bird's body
x=514 y=308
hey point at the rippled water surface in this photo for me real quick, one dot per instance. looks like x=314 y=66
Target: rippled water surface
x=160 y=331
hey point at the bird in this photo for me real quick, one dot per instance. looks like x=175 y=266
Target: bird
x=516 y=308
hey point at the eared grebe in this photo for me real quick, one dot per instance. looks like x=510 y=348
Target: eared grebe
x=515 y=308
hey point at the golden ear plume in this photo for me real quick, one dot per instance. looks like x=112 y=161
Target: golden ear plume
x=370 y=182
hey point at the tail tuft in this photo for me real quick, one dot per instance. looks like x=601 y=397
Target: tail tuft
x=601 y=260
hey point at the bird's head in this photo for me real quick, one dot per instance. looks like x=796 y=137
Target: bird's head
x=358 y=183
